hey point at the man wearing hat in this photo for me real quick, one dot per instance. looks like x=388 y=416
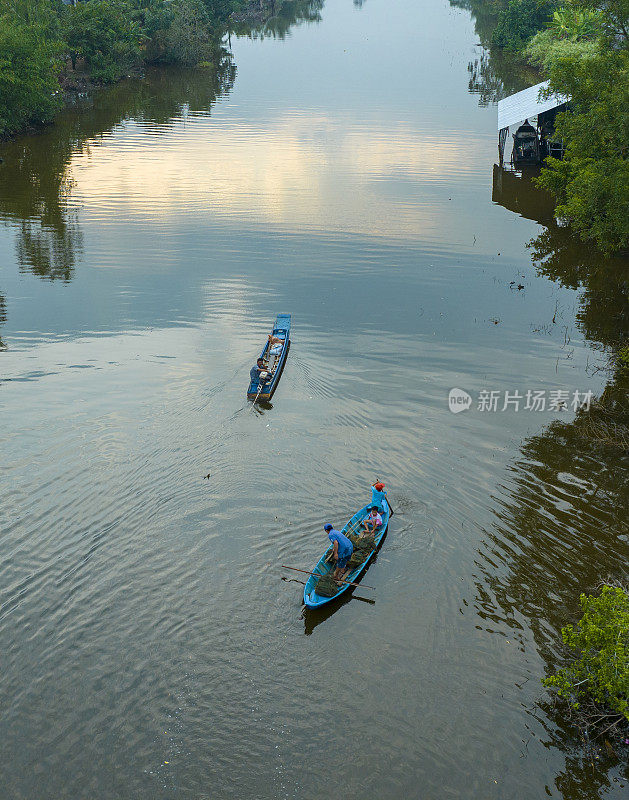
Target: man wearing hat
x=342 y=550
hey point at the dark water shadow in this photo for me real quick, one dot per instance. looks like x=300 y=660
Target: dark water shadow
x=516 y=192
x=561 y=516
x=3 y=317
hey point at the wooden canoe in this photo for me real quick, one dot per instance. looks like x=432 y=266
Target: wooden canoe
x=274 y=358
x=311 y=598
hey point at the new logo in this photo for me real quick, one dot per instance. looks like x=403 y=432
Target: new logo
x=458 y=400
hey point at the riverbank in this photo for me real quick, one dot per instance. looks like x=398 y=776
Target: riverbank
x=54 y=53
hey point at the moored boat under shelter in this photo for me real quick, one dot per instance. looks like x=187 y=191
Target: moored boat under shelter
x=531 y=145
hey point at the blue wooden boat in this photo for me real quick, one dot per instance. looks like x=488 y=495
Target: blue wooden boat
x=274 y=357
x=311 y=598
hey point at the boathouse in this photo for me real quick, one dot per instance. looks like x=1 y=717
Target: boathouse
x=530 y=144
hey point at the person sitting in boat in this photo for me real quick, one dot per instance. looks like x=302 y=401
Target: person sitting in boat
x=377 y=495
x=372 y=521
x=275 y=344
x=342 y=550
x=259 y=373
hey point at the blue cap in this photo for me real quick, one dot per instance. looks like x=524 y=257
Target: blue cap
x=327 y=527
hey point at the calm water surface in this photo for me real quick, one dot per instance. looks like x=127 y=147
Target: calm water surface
x=149 y=646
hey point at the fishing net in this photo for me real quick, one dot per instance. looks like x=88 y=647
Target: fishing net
x=326 y=585
x=363 y=545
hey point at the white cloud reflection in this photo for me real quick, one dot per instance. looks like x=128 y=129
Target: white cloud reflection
x=298 y=172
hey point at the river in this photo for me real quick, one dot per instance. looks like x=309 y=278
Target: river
x=339 y=170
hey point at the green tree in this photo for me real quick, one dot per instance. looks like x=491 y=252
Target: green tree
x=599 y=643
x=106 y=35
x=179 y=32
x=614 y=15
x=572 y=22
x=29 y=65
x=519 y=21
x=591 y=183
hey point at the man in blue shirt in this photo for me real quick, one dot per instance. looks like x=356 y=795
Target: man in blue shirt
x=255 y=371
x=378 y=495
x=342 y=550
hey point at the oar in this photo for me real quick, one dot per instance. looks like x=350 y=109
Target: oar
x=305 y=571
x=354 y=596
x=256 y=397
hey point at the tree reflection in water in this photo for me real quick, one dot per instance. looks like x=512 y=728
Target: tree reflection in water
x=287 y=14
x=603 y=313
x=561 y=528
x=497 y=76
x=495 y=73
x=35 y=179
x=561 y=521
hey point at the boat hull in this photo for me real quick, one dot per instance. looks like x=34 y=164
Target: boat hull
x=282 y=326
x=311 y=598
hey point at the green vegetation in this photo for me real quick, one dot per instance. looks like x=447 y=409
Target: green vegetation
x=46 y=47
x=180 y=32
x=105 y=35
x=622 y=361
x=30 y=46
x=519 y=21
x=596 y=681
x=591 y=183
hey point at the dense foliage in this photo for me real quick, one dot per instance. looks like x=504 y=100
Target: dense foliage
x=30 y=46
x=179 y=32
x=591 y=183
x=599 y=642
x=105 y=34
x=46 y=45
x=519 y=21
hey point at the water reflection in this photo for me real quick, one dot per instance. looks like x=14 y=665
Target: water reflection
x=603 y=313
x=34 y=192
x=561 y=521
x=560 y=256
x=286 y=15
x=494 y=74
x=36 y=182
x=586 y=773
x=561 y=526
x=560 y=529
x=516 y=192
x=146 y=557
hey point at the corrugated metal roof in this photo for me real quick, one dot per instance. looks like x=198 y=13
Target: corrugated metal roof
x=525 y=104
